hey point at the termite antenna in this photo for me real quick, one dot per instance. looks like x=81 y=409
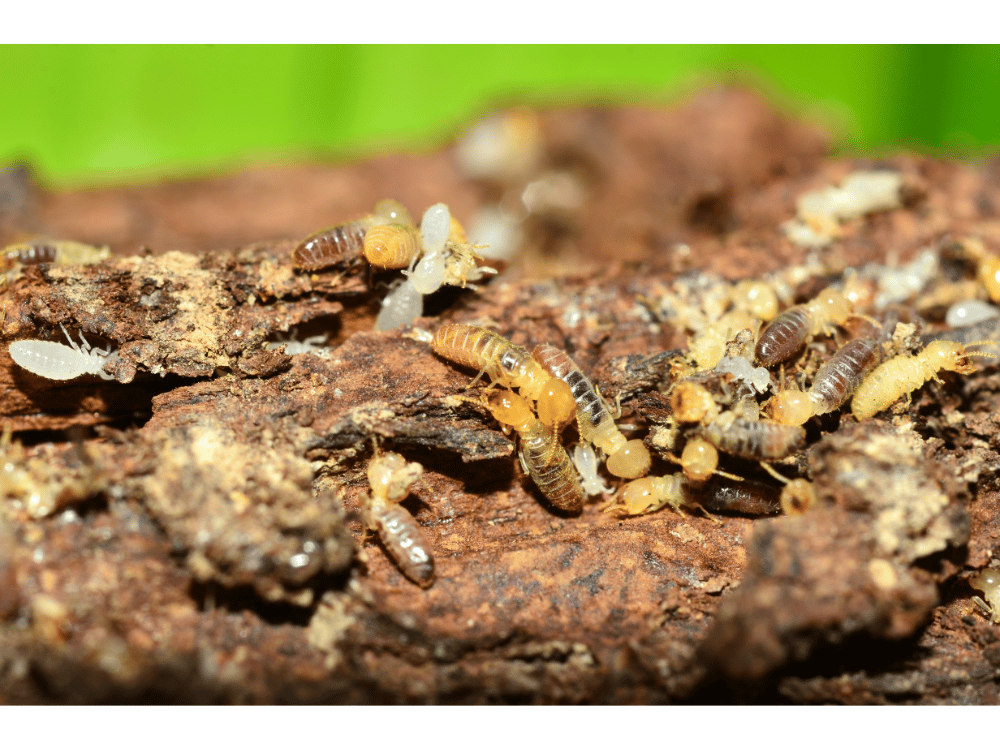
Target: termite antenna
x=986 y=342
x=774 y=473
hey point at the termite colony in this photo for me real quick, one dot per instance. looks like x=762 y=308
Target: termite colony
x=435 y=254
x=754 y=375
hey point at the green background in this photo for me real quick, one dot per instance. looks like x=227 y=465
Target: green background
x=109 y=114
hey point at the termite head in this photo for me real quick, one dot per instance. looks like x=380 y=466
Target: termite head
x=953 y=356
x=508 y=408
x=699 y=459
x=390 y=476
x=693 y=403
x=556 y=405
x=757 y=298
x=389 y=211
x=789 y=407
x=630 y=461
x=833 y=306
x=797 y=496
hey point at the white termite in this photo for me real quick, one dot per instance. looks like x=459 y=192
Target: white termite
x=586 y=462
x=400 y=307
x=293 y=346
x=56 y=361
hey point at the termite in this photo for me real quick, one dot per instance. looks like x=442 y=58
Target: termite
x=709 y=346
x=789 y=331
x=648 y=495
x=542 y=456
x=390 y=477
x=692 y=403
x=586 y=462
x=903 y=374
x=755 y=297
x=833 y=385
x=626 y=458
x=509 y=365
x=328 y=246
x=63 y=252
x=760 y=440
x=749 y=497
x=988 y=581
x=57 y=361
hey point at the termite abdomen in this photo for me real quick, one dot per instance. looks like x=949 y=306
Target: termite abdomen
x=328 y=246
x=784 y=336
x=392 y=245
x=30 y=253
x=551 y=469
x=755 y=440
x=840 y=377
x=404 y=540
x=471 y=346
x=749 y=497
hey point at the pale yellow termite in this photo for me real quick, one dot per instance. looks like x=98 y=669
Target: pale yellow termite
x=390 y=477
x=904 y=374
x=709 y=346
x=648 y=495
x=545 y=460
x=509 y=365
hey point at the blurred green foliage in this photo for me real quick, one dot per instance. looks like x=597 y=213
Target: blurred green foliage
x=118 y=113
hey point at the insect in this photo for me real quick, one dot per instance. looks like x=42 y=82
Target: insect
x=787 y=333
x=392 y=245
x=542 y=456
x=508 y=365
x=626 y=458
x=328 y=246
x=447 y=258
x=988 y=581
x=295 y=346
x=835 y=382
x=401 y=306
x=390 y=477
x=749 y=497
x=709 y=346
x=756 y=298
x=904 y=374
x=756 y=440
x=64 y=252
x=648 y=495
x=585 y=461
x=57 y=361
